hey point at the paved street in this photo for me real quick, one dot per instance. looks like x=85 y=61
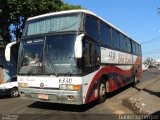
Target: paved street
x=150 y=74
x=38 y=110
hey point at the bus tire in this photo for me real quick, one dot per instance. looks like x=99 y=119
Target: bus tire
x=14 y=92
x=102 y=92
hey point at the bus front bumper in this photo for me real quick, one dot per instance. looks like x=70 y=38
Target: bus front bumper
x=55 y=96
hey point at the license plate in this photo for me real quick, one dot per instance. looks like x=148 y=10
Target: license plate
x=43 y=96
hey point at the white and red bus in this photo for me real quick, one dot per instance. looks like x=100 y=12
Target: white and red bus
x=75 y=57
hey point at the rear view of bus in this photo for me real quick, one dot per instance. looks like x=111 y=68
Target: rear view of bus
x=62 y=60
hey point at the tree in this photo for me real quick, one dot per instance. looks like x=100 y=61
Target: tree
x=69 y=7
x=15 y=13
x=149 y=61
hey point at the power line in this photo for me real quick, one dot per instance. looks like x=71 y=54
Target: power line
x=151 y=41
x=151 y=50
x=151 y=54
x=155 y=52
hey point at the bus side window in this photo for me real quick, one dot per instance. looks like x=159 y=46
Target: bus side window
x=133 y=47
x=136 y=48
x=96 y=54
x=129 y=46
x=115 y=39
x=140 y=52
x=123 y=42
x=87 y=55
x=91 y=56
x=105 y=34
x=91 y=27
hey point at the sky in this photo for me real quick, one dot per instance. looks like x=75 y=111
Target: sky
x=137 y=18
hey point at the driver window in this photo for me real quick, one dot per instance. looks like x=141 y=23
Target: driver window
x=87 y=55
x=91 y=56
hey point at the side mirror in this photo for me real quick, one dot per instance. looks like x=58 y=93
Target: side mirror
x=78 y=46
x=8 y=50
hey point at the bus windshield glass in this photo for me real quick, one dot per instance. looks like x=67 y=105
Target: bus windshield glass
x=56 y=23
x=30 y=56
x=53 y=56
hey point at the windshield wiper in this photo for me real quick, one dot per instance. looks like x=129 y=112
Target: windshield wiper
x=33 y=65
x=53 y=65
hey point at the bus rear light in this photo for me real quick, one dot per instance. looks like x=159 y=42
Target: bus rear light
x=69 y=87
x=23 y=85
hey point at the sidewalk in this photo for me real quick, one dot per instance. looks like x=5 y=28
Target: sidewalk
x=147 y=100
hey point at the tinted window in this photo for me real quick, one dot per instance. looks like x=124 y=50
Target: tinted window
x=14 y=79
x=140 y=52
x=91 y=56
x=137 y=49
x=133 y=47
x=115 y=37
x=105 y=34
x=123 y=42
x=87 y=55
x=96 y=55
x=56 y=23
x=91 y=27
x=129 y=46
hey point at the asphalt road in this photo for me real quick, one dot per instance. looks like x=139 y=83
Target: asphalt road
x=17 y=108
x=150 y=74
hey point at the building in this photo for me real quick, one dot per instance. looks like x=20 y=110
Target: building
x=158 y=62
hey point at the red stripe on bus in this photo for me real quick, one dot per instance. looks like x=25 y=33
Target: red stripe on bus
x=112 y=84
x=106 y=70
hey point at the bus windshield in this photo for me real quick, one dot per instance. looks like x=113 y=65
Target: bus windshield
x=52 y=56
x=30 y=55
x=56 y=23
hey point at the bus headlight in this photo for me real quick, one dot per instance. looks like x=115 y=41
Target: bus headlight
x=69 y=87
x=23 y=85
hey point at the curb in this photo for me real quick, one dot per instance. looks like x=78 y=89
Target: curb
x=142 y=85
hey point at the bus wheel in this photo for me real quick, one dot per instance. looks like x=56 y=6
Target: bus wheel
x=14 y=92
x=102 y=92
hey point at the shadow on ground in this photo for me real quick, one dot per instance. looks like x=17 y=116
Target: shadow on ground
x=152 y=92
x=63 y=107
x=5 y=97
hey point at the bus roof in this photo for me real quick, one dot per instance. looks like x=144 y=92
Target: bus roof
x=79 y=11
